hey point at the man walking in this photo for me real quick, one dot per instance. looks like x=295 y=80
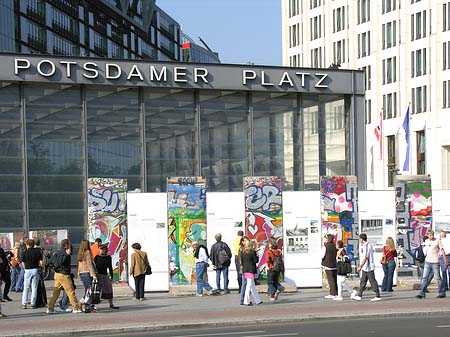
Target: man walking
x=367 y=269
x=32 y=263
x=329 y=252
x=201 y=264
x=236 y=246
x=221 y=260
x=5 y=273
x=432 y=248
x=445 y=256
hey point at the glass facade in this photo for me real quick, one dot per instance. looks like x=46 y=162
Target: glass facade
x=96 y=28
x=54 y=137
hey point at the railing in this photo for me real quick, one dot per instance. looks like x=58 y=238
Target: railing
x=36 y=14
x=65 y=31
x=37 y=43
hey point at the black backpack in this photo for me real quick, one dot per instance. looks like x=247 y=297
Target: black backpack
x=222 y=257
x=419 y=254
x=278 y=264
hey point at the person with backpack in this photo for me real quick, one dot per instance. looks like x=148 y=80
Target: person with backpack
x=343 y=268
x=275 y=266
x=61 y=264
x=329 y=253
x=221 y=259
x=22 y=249
x=419 y=257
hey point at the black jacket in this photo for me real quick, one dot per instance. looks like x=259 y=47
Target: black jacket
x=329 y=260
x=248 y=261
x=61 y=262
x=4 y=265
x=214 y=255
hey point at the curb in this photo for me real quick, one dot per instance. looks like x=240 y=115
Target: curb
x=218 y=324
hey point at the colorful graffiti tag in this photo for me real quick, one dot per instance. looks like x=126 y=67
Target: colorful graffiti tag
x=338 y=196
x=186 y=199
x=107 y=215
x=414 y=213
x=263 y=212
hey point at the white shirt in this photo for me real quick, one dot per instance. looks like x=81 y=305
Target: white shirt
x=202 y=256
x=446 y=245
x=432 y=249
x=366 y=250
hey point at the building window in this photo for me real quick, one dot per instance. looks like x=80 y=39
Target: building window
x=368 y=73
x=338 y=19
x=293 y=8
x=420 y=152
x=368 y=111
x=392 y=164
x=389 y=70
x=339 y=52
x=419 y=99
x=446 y=94
x=446 y=16
x=390 y=106
x=418 y=25
x=363 y=44
x=418 y=62
x=363 y=11
x=388 y=6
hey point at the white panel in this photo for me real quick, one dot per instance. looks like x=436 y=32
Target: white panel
x=441 y=210
x=378 y=205
x=301 y=215
x=147 y=224
x=225 y=215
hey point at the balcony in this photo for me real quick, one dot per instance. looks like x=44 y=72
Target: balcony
x=67 y=6
x=168 y=51
x=65 y=31
x=100 y=50
x=168 y=31
x=37 y=43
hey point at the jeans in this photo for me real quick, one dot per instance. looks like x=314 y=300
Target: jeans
x=64 y=282
x=444 y=271
x=388 y=278
x=244 y=285
x=238 y=272
x=341 y=284
x=368 y=276
x=200 y=270
x=223 y=271
x=20 y=280
x=15 y=271
x=32 y=278
x=431 y=268
x=273 y=278
x=86 y=279
x=420 y=266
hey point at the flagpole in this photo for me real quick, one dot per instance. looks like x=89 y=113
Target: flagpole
x=409 y=136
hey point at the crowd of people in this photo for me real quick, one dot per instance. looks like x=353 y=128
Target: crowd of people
x=21 y=270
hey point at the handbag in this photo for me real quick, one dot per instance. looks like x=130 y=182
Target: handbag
x=96 y=292
x=384 y=260
x=148 y=268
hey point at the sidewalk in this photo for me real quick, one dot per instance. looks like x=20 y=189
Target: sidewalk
x=164 y=311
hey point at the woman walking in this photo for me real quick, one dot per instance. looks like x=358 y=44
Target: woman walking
x=87 y=273
x=139 y=263
x=249 y=259
x=103 y=262
x=341 y=259
x=389 y=255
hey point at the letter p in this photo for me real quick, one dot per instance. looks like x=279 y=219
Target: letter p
x=20 y=64
x=248 y=75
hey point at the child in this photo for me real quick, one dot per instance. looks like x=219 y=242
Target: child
x=341 y=257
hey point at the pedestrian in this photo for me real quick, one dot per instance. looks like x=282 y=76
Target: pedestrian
x=249 y=260
x=21 y=278
x=61 y=266
x=236 y=246
x=221 y=259
x=445 y=270
x=201 y=258
x=41 y=299
x=367 y=269
x=87 y=274
x=2 y=315
x=244 y=240
x=5 y=273
x=419 y=257
x=139 y=263
x=389 y=254
x=15 y=266
x=32 y=263
x=432 y=248
x=329 y=253
x=95 y=247
x=273 y=273
x=342 y=258
x=103 y=263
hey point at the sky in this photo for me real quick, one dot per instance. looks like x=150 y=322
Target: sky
x=241 y=31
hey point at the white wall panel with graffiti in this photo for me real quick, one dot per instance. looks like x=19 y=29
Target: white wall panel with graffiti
x=147 y=224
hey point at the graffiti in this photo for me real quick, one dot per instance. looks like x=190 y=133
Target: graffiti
x=339 y=209
x=263 y=213
x=108 y=220
x=186 y=198
x=413 y=213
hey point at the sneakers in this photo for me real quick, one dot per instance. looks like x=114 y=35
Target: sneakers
x=77 y=311
x=24 y=306
x=51 y=311
x=353 y=294
x=375 y=299
x=114 y=307
x=211 y=292
x=356 y=298
x=199 y=295
x=441 y=296
x=420 y=296
x=82 y=300
x=6 y=298
x=330 y=296
x=338 y=298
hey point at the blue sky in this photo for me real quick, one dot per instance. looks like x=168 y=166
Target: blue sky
x=241 y=31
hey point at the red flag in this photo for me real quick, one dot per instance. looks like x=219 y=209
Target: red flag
x=378 y=131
